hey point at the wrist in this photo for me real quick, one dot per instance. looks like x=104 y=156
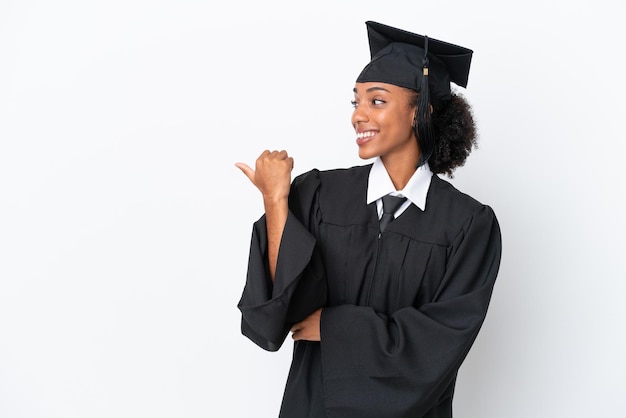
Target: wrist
x=275 y=200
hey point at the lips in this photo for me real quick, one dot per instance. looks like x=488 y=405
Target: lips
x=364 y=137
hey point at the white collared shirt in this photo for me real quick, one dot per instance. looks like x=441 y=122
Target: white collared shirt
x=379 y=184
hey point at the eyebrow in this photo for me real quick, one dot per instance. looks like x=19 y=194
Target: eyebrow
x=375 y=88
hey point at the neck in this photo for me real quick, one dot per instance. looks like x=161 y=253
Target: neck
x=400 y=170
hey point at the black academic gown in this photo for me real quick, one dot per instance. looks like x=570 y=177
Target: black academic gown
x=401 y=310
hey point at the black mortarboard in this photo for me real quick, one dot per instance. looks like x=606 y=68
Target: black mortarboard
x=419 y=63
x=397 y=57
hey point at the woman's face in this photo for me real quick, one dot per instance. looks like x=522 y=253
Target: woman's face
x=383 y=119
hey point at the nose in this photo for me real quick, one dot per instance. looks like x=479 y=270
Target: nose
x=359 y=115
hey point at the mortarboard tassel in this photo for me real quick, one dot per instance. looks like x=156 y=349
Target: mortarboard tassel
x=424 y=131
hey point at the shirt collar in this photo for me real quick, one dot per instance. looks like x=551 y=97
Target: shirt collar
x=379 y=184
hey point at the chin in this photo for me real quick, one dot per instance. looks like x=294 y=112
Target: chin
x=364 y=155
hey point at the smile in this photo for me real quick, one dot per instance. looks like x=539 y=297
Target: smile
x=367 y=134
x=364 y=137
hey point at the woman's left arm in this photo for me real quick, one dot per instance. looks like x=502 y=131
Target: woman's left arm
x=403 y=364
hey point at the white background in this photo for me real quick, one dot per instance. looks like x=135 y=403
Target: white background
x=121 y=121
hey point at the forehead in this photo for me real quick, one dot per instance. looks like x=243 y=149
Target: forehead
x=378 y=87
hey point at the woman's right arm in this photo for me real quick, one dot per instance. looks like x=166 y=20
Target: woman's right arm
x=272 y=176
x=272 y=303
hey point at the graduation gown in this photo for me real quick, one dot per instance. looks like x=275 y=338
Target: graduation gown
x=401 y=309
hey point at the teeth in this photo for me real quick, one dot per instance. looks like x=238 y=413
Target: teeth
x=365 y=134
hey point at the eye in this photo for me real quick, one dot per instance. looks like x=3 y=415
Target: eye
x=377 y=102
x=354 y=103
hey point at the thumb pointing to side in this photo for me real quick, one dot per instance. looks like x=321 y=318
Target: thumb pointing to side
x=247 y=170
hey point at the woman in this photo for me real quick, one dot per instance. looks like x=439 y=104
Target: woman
x=382 y=312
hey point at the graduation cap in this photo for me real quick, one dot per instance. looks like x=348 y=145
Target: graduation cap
x=407 y=60
x=419 y=63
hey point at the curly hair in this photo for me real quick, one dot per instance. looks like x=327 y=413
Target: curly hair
x=454 y=131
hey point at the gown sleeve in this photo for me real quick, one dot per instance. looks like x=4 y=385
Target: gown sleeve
x=268 y=310
x=401 y=365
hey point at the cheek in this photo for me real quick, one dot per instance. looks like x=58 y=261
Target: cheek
x=404 y=124
x=410 y=116
x=403 y=120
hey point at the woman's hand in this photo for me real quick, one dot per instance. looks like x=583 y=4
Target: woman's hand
x=309 y=328
x=272 y=174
